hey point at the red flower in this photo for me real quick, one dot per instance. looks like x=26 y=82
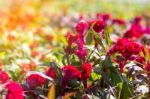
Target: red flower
x=72 y=39
x=119 y=46
x=118 y=21
x=81 y=53
x=51 y=73
x=106 y=16
x=34 y=80
x=99 y=25
x=130 y=49
x=70 y=72
x=3 y=77
x=137 y=19
x=138 y=59
x=134 y=32
x=81 y=27
x=126 y=48
x=86 y=71
x=15 y=91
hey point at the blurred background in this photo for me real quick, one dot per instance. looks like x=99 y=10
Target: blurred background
x=33 y=29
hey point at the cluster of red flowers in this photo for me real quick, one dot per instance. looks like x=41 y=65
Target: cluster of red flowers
x=71 y=72
x=126 y=48
x=34 y=80
x=14 y=91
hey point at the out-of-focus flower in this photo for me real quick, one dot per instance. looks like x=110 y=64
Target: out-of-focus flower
x=147 y=30
x=34 y=80
x=3 y=77
x=137 y=19
x=99 y=25
x=81 y=51
x=14 y=91
x=81 y=27
x=1 y=64
x=104 y=16
x=11 y=37
x=72 y=38
x=118 y=21
x=134 y=32
x=35 y=53
x=51 y=73
x=70 y=72
x=86 y=70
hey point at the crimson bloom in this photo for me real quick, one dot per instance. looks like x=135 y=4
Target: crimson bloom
x=51 y=73
x=99 y=25
x=134 y=32
x=70 y=72
x=34 y=80
x=14 y=91
x=81 y=27
x=126 y=48
x=118 y=21
x=130 y=49
x=86 y=70
x=3 y=77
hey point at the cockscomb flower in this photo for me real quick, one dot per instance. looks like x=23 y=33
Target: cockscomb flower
x=137 y=19
x=34 y=80
x=120 y=44
x=104 y=16
x=130 y=49
x=99 y=25
x=3 y=77
x=70 y=72
x=139 y=60
x=126 y=48
x=14 y=91
x=134 y=32
x=81 y=27
x=72 y=39
x=51 y=73
x=118 y=21
x=86 y=70
x=81 y=51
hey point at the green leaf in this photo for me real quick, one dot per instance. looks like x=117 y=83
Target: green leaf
x=99 y=39
x=107 y=38
x=104 y=75
x=115 y=75
x=107 y=62
x=95 y=76
x=89 y=37
x=126 y=91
